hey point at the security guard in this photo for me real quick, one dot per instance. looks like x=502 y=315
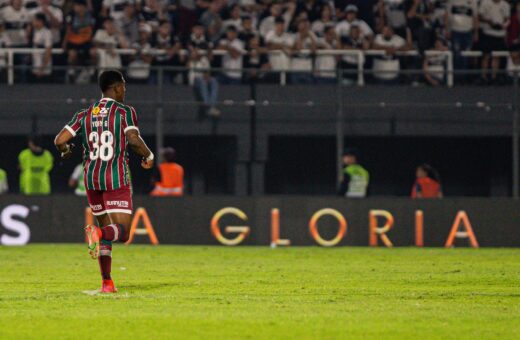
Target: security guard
x=4 y=187
x=35 y=165
x=170 y=177
x=354 y=183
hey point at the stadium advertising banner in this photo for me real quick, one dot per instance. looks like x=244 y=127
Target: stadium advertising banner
x=276 y=221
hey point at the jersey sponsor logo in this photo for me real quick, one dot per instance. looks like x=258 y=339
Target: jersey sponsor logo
x=95 y=111
x=119 y=204
x=96 y=207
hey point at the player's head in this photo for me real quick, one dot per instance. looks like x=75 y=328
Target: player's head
x=169 y=155
x=112 y=84
x=350 y=156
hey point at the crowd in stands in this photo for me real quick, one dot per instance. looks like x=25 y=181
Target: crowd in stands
x=262 y=36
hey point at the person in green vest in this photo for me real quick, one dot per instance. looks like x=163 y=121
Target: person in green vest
x=4 y=187
x=35 y=165
x=77 y=182
x=355 y=177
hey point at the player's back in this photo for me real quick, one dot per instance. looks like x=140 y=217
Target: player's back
x=103 y=127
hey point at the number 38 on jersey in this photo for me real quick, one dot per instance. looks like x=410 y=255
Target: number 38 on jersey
x=102 y=145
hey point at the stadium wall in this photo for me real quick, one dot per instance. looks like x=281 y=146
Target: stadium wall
x=59 y=218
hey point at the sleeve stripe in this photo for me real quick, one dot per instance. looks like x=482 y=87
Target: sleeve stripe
x=130 y=128
x=71 y=130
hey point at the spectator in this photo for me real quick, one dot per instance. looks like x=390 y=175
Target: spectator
x=169 y=177
x=439 y=15
x=128 y=24
x=212 y=21
x=325 y=20
x=355 y=178
x=433 y=65
x=151 y=13
x=16 y=21
x=367 y=9
x=312 y=8
x=76 y=181
x=4 y=43
x=35 y=165
x=248 y=30
x=349 y=63
x=234 y=19
x=343 y=28
x=256 y=60
x=393 y=14
x=462 y=28
x=106 y=41
x=41 y=39
x=4 y=186
x=166 y=41
x=386 y=68
x=513 y=31
x=206 y=86
x=513 y=62
x=304 y=47
x=418 y=14
x=325 y=65
x=139 y=66
x=114 y=8
x=78 y=36
x=427 y=184
x=54 y=17
x=277 y=12
x=279 y=42
x=233 y=59
x=494 y=16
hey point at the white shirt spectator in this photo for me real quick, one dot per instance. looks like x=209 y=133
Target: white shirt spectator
x=109 y=42
x=116 y=7
x=15 y=23
x=387 y=67
x=57 y=14
x=41 y=39
x=4 y=42
x=318 y=27
x=229 y=63
x=343 y=28
x=279 y=60
x=267 y=25
x=325 y=65
x=395 y=13
x=302 y=61
x=497 y=13
x=237 y=23
x=461 y=14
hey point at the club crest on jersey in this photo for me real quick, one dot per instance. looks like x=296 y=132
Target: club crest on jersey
x=97 y=111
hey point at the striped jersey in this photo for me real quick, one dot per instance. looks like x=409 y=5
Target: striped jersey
x=102 y=128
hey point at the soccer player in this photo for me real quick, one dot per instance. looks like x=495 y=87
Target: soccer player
x=107 y=127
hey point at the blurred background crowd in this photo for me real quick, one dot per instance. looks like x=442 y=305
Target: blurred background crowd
x=262 y=37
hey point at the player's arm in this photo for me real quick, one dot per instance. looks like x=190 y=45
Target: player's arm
x=138 y=146
x=62 y=143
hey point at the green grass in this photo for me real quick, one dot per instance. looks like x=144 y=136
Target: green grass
x=258 y=292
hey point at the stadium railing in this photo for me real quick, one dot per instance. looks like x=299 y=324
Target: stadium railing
x=359 y=55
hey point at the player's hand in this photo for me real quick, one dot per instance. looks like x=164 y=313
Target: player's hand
x=67 y=154
x=147 y=164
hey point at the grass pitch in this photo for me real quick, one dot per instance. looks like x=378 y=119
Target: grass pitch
x=257 y=292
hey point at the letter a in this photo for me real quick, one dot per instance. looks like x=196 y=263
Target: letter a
x=147 y=230
x=461 y=217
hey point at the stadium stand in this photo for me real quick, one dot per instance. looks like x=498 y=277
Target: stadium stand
x=310 y=41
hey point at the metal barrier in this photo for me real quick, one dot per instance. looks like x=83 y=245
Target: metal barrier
x=359 y=55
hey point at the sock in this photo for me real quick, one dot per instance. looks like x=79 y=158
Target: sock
x=105 y=259
x=113 y=232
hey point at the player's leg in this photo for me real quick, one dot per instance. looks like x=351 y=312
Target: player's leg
x=92 y=233
x=115 y=227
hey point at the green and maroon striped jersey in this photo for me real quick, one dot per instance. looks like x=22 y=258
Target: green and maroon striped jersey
x=103 y=128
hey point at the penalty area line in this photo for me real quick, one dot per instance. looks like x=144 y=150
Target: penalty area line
x=107 y=295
